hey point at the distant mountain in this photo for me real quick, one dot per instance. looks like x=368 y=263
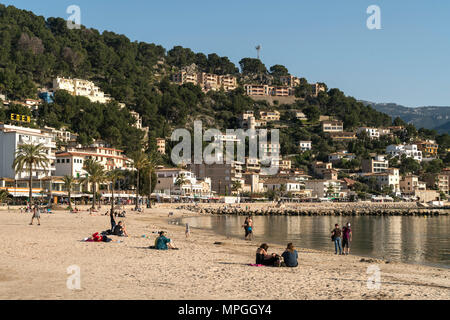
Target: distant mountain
x=437 y=118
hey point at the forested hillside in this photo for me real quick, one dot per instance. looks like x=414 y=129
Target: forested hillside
x=34 y=50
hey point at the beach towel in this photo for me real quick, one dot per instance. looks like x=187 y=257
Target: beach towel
x=255 y=265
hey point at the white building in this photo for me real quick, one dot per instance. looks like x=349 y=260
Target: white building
x=305 y=145
x=289 y=185
x=13 y=136
x=337 y=156
x=167 y=183
x=79 y=87
x=325 y=188
x=71 y=162
x=390 y=177
x=373 y=133
x=410 y=150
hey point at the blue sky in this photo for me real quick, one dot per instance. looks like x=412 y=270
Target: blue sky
x=406 y=62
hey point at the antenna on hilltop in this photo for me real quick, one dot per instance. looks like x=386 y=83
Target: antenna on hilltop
x=258 y=49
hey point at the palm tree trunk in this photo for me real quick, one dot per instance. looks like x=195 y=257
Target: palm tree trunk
x=150 y=189
x=70 y=201
x=30 y=181
x=93 y=195
x=137 y=192
x=112 y=196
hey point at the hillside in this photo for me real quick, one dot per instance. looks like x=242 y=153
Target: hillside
x=437 y=118
x=34 y=50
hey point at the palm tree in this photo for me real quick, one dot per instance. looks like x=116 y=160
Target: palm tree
x=29 y=156
x=4 y=196
x=95 y=175
x=181 y=181
x=236 y=186
x=139 y=162
x=69 y=182
x=152 y=161
x=113 y=176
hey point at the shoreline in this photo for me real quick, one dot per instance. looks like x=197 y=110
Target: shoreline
x=322 y=251
x=207 y=266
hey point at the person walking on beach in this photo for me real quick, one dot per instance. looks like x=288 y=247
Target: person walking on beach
x=346 y=238
x=336 y=238
x=245 y=226
x=36 y=214
x=188 y=231
x=250 y=228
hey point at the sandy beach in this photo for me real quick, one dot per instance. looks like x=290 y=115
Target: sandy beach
x=35 y=260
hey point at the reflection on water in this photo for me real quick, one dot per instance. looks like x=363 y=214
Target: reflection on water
x=408 y=239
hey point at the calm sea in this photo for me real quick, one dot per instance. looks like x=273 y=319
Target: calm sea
x=420 y=240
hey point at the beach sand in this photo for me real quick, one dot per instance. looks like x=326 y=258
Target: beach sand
x=35 y=260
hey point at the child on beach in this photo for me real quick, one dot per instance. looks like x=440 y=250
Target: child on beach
x=188 y=231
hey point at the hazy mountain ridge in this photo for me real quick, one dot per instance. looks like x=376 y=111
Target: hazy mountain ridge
x=430 y=117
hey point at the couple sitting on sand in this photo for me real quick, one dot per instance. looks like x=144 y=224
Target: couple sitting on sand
x=290 y=257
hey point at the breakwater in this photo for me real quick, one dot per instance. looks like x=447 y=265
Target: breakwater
x=317 y=211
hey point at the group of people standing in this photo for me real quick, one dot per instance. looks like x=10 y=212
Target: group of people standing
x=342 y=239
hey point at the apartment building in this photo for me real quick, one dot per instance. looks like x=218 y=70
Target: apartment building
x=374 y=165
x=266 y=90
x=440 y=181
x=161 y=145
x=326 y=188
x=207 y=81
x=290 y=81
x=62 y=134
x=269 y=149
x=410 y=183
x=342 y=155
x=300 y=116
x=285 y=164
x=287 y=185
x=183 y=77
x=410 y=150
x=269 y=115
x=389 y=178
x=79 y=87
x=372 y=133
x=332 y=126
x=252 y=164
x=71 y=162
x=167 y=178
x=429 y=148
x=305 y=145
x=319 y=167
x=317 y=88
x=222 y=175
x=11 y=137
x=343 y=136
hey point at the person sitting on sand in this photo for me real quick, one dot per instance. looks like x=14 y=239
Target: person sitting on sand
x=163 y=243
x=290 y=256
x=262 y=257
x=120 y=230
